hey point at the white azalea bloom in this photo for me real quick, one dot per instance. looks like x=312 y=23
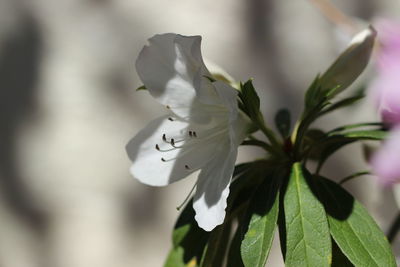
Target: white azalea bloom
x=201 y=131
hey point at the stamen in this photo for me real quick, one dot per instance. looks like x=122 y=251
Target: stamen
x=168 y=107
x=187 y=167
x=194 y=134
x=164 y=138
x=171 y=119
x=190 y=133
x=187 y=197
x=166 y=150
x=163 y=160
x=173 y=142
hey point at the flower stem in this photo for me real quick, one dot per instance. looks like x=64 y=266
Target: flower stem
x=394 y=228
x=259 y=143
x=275 y=146
x=355 y=175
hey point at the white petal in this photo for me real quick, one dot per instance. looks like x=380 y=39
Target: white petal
x=148 y=166
x=213 y=188
x=169 y=67
x=228 y=96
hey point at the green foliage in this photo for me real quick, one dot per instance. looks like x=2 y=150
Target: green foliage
x=250 y=100
x=338 y=258
x=263 y=214
x=234 y=257
x=308 y=242
x=216 y=246
x=282 y=122
x=189 y=241
x=342 y=104
x=353 y=229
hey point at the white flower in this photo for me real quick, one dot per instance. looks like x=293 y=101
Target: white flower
x=202 y=130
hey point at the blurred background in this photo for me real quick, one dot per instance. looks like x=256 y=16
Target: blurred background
x=68 y=106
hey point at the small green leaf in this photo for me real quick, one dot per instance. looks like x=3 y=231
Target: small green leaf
x=341 y=104
x=364 y=135
x=308 y=242
x=141 y=88
x=375 y=125
x=321 y=151
x=282 y=122
x=313 y=95
x=263 y=214
x=250 y=100
x=310 y=143
x=189 y=241
x=353 y=229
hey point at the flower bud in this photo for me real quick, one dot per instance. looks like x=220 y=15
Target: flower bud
x=350 y=64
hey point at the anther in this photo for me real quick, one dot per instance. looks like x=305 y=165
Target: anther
x=163 y=160
x=164 y=138
x=187 y=167
x=190 y=133
x=157 y=147
x=171 y=119
x=168 y=107
x=172 y=142
x=194 y=134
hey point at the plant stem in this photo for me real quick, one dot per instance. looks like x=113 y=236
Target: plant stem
x=259 y=143
x=394 y=228
x=355 y=175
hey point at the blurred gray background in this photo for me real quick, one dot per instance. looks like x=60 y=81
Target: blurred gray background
x=68 y=106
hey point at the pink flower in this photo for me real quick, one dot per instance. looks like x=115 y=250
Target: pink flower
x=386 y=161
x=385 y=88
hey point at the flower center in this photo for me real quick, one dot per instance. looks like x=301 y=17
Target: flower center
x=173 y=145
x=190 y=140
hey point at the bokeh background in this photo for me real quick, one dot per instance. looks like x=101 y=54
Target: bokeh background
x=68 y=106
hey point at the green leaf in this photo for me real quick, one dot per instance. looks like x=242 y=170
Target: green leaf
x=282 y=122
x=323 y=150
x=313 y=95
x=141 y=88
x=341 y=104
x=364 y=135
x=338 y=258
x=216 y=247
x=263 y=214
x=234 y=257
x=353 y=229
x=189 y=241
x=250 y=100
x=311 y=140
x=357 y=125
x=308 y=242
